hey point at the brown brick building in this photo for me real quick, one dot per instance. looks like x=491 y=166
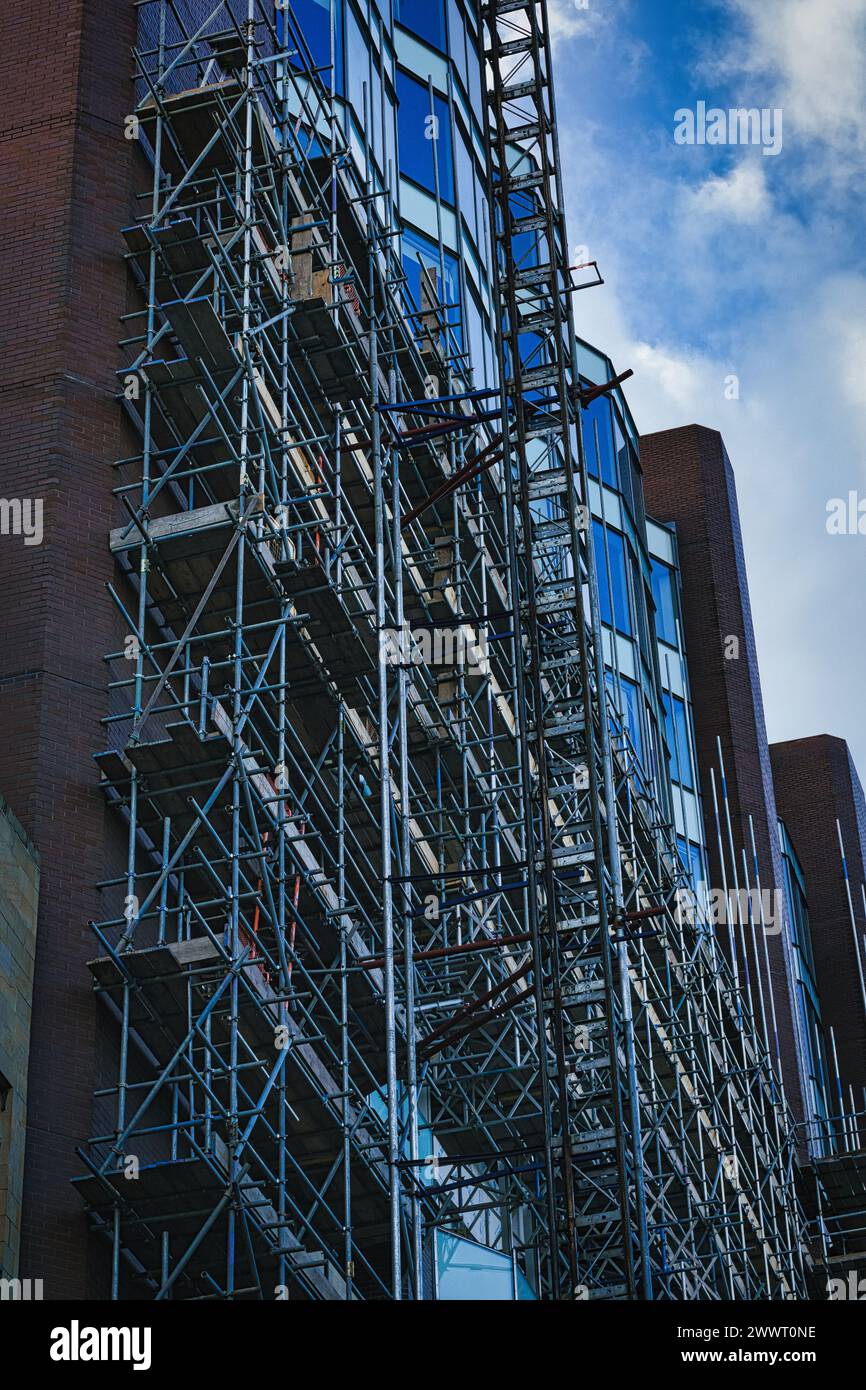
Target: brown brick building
x=64 y=89
x=688 y=480
x=816 y=785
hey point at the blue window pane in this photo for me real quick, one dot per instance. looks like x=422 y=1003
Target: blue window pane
x=457 y=39
x=390 y=153
x=475 y=67
x=598 y=441
x=630 y=481
x=620 y=468
x=618 y=582
x=682 y=736
x=358 y=63
x=626 y=719
x=665 y=599
x=670 y=737
x=425 y=137
x=467 y=184
x=313 y=20
x=426 y=18
x=677 y=734
x=651 y=758
x=478 y=342
x=683 y=851
x=374 y=117
x=601 y=573
x=640 y=598
x=692 y=860
x=610 y=682
x=483 y=227
x=525 y=246
x=631 y=700
x=696 y=860
x=418 y=252
x=615 y=585
x=472 y=1272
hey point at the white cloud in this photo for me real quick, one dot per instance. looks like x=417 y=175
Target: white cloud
x=757 y=271
x=796 y=439
x=673 y=376
x=813 y=53
x=591 y=22
x=845 y=328
x=567 y=19
x=740 y=196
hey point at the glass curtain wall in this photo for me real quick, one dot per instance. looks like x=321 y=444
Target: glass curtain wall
x=639 y=599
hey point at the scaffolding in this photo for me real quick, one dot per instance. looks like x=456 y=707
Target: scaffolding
x=833 y=1188
x=399 y=948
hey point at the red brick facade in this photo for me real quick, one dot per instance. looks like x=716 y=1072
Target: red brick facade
x=64 y=89
x=817 y=784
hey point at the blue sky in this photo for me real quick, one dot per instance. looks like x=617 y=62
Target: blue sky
x=719 y=261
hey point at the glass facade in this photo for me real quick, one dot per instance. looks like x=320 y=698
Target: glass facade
x=805 y=982
x=466 y=1270
x=678 y=721
x=640 y=594
x=639 y=603
x=442 y=180
x=408 y=86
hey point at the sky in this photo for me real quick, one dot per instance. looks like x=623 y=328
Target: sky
x=722 y=261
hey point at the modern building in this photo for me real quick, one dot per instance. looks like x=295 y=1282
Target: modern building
x=345 y=697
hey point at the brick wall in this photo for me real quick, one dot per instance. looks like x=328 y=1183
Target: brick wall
x=816 y=784
x=19 y=896
x=65 y=167
x=688 y=480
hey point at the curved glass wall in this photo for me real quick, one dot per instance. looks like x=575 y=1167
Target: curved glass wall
x=639 y=600
x=409 y=80
x=808 y=1000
